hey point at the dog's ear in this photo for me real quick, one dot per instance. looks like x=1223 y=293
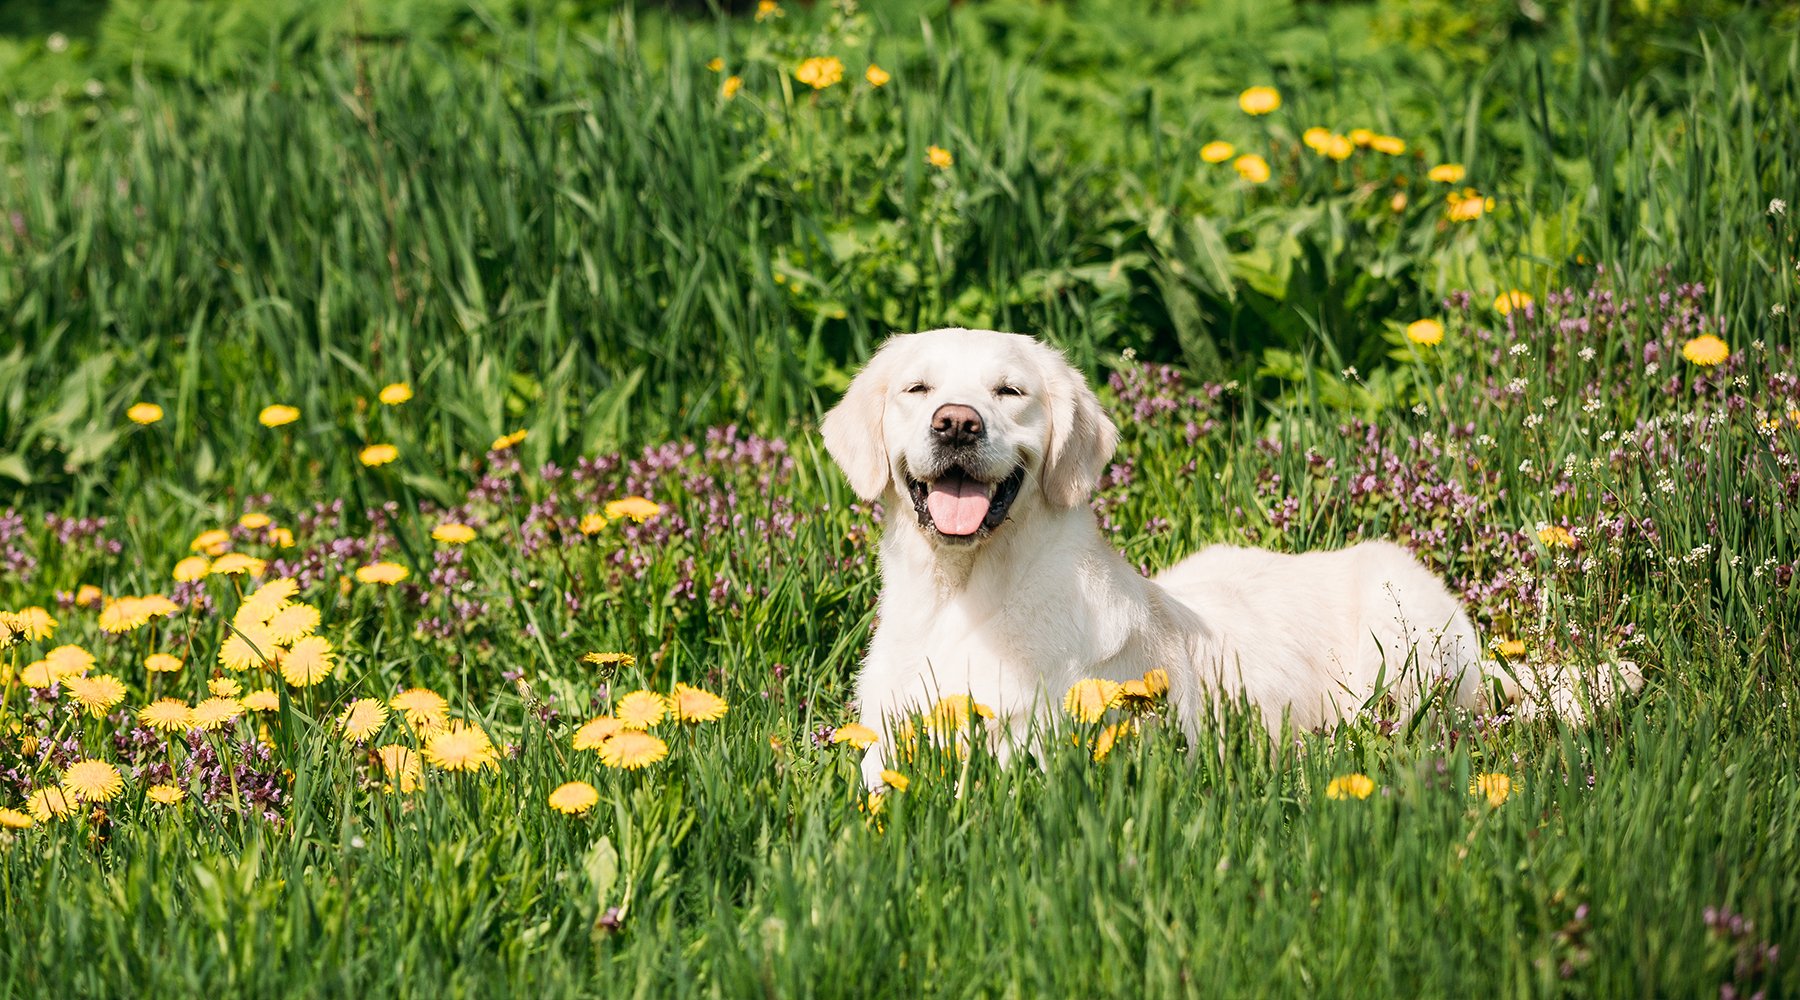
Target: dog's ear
x=852 y=429
x=1082 y=439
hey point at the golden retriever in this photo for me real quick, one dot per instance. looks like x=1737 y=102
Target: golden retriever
x=984 y=448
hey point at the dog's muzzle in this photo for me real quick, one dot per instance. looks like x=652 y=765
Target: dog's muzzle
x=960 y=506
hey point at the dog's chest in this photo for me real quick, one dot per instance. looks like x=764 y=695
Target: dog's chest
x=1005 y=655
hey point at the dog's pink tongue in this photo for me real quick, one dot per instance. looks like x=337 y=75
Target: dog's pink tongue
x=957 y=504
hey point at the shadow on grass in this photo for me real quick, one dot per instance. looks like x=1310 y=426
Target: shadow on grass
x=32 y=18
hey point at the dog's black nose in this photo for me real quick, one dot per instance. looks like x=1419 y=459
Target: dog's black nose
x=956 y=424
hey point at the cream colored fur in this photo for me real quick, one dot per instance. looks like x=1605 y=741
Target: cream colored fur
x=1017 y=616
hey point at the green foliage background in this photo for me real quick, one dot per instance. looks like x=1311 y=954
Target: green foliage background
x=544 y=215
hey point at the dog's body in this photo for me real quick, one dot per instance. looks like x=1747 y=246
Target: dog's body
x=1003 y=588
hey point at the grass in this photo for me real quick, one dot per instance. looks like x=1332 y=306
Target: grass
x=556 y=223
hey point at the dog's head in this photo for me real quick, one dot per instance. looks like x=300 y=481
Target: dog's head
x=970 y=427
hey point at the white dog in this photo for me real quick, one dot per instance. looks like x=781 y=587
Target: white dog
x=1000 y=585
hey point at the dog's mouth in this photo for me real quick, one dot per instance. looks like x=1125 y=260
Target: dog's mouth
x=960 y=506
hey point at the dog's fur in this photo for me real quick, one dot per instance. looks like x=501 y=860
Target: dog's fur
x=1034 y=599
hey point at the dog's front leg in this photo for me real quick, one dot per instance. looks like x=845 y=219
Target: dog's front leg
x=873 y=763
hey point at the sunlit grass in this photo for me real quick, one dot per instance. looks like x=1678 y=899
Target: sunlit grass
x=444 y=759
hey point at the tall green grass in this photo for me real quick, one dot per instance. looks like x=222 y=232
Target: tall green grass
x=559 y=224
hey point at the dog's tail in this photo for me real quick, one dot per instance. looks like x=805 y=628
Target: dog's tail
x=1539 y=689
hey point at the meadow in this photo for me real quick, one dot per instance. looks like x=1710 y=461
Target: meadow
x=421 y=573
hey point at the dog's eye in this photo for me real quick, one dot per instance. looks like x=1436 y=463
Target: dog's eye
x=918 y=387
x=1008 y=390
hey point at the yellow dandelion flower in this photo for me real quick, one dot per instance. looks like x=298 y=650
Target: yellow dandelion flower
x=384 y=573
x=610 y=659
x=92 y=781
x=632 y=750
x=637 y=508
x=690 y=704
x=1508 y=301
x=1316 y=139
x=574 y=798
x=167 y=715
x=596 y=731
x=277 y=415
x=215 y=713
x=730 y=87
x=1157 y=681
x=224 y=687
x=1217 y=151
x=395 y=393
x=97 y=693
x=591 y=524
x=1390 y=145
x=1448 y=173
x=34 y=623
x=820 y=72
x=1350 y=786
x=1136 y=695
x=363 y=718
x=1512 y=649
x=951 y=713
x=895 y=780
x=157 y=606
x=1555 y=536
x=1252 y=168
x=238 y=564
x=165 y=795
x=88 y=596
x=766 y=9
x=939 y=157
x=452 y=533
x=47 y=804
x=123 y=614
x=377 y=454
x=281 y=538
x=716 y=64
x=12 y=819
x=39 y=675
x=1088 y=700
x=261 y=700
x=265 y=602
x=1425 y=332
x=248 y=646
x=641 y=709
x=144 y=413
x=212 y=542
x=423 y=707
x=308 y=661
x=877 y=76
x=293 y=623
x=1339 y=147
x=401 y=765
x=69 y=659
x=282 y=588
x=1109 y=737
x=1466 y=205
x=192 y=568
x=461 y=747
x=857 y=735
x=505 y=441
x=255 y=521
x=1706 y=350
x=1495 y=786
x=1259 y=100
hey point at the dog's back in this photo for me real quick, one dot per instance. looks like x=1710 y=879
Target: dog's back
x=1320 y=632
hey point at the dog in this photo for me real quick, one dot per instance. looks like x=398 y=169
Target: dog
x=984 y=449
